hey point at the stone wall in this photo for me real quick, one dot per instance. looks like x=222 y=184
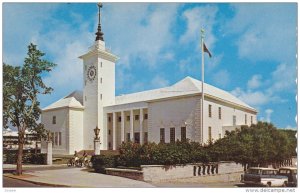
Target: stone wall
x=160 y=172
x=126 y=173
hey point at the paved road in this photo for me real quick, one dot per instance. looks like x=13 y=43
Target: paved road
x=80 y=177
x=9 y=182
x=196 y=185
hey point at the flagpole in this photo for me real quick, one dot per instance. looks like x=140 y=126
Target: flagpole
x=202 y=85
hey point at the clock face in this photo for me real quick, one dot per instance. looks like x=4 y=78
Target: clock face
x=91 y=73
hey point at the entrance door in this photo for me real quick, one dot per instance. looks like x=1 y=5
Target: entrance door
x=137 y=137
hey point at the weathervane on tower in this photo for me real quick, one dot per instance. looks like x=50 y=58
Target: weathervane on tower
x=99 y=34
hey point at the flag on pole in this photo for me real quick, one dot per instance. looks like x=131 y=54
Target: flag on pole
x=206 y=50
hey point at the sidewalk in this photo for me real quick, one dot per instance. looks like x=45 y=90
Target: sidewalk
x=24 y=166
x=79 y=177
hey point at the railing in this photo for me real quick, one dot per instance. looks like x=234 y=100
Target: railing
x=205 y=169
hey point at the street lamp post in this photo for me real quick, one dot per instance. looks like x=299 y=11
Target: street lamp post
x=97 y=141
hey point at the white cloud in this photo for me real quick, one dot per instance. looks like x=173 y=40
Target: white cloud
x=268 y=114
x=256 y=98
x=213 y=62
x=186 y=65
x=283 y=78
x=140 y=31
x=159 y=82
x=267 y=31
x=221 y=78
x=22 y=21
x=137 y=87
x=66 y=44
x=291 y=127
x=255 y=81
x=198 y=18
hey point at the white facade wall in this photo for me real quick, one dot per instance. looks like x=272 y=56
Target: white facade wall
x=227 y=113
x=181 y=112
x=90 y=103
x=62 y=122
x=186 y=112
x=75 y=130
x=69 y=121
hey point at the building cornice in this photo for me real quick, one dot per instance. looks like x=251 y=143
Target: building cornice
x=101 y=54
x=66 y=107
x=225 y=102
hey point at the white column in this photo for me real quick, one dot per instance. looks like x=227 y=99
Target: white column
x=131 y=126
x=141 y=127
x=49 y=152
x=114 y=132
x=122 y=127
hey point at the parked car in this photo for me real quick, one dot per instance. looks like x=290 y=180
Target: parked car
x=291 y=173
x=258 y=176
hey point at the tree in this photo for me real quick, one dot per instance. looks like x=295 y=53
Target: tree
x=21 y=87
x=260 y=144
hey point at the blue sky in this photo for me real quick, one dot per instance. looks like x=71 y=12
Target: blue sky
x=253 y=46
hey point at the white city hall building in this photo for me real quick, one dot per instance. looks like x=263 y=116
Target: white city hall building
x=161 y=115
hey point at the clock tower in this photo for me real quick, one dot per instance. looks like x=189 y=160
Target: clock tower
x=99 y=88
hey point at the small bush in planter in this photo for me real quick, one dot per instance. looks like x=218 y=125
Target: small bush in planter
x=100 y=162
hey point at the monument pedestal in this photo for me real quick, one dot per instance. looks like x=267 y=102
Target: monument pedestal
x=97 y=146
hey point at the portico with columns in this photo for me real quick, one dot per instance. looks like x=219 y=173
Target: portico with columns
x=126 y=123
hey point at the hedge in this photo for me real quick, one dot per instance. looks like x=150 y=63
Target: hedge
x=100 y=162
x=30 y=158
x=134 y=155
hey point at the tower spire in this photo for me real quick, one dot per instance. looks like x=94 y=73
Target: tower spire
x=99 y=34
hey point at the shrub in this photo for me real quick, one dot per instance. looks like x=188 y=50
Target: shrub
x=29 y=158
x=100 y=162
x=134 y=155
x=40 y=158
x=11 y=158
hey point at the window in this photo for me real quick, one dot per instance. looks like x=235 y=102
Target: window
x=101 y=80
x=234 y=120
x=119 y=118
x=183 y=133
x=251 y=120
x=146 y=137
x=172 y=135
x=59 y=138
x=128 y=118
x=109 y=132
x=128 y=137
x=220 y=136
x=162 y=135
x=101 y=64
x=136 y=117
x=220 y=113
x=145 y=116
x=56 y=138
x=137 y=137
x=109 y=119
x=209 y=133
x=54 y=120
x=209 y=110
x=245 y=119
x=100 y=96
